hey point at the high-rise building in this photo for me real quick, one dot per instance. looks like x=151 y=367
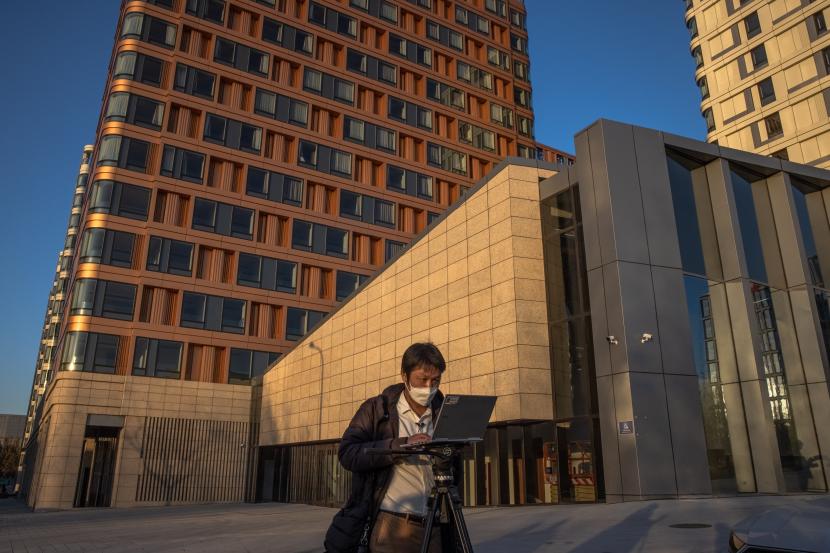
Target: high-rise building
x=255 y=162
x=762 y=70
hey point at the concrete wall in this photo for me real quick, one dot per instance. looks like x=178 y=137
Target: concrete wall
x=181 y=441
x=474 y=285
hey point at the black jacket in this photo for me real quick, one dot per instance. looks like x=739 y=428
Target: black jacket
x=375 y=425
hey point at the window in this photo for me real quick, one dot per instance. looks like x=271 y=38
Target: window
x=281 y=108
x=107 y=247
x=328 y=86
x=521 y=71
x=476 y=136
x=369 y=135
x=472 y=20
x=474 y=75
x=825 y=55
x=246 y=364
x=287 y=37
x=446 y=158
x=759 y=56
x=337 y=242
x=447 y=95
x=103 y=298
x=691 y=25
x=773 y=125
x=408 y=182
x=781 y=154
x=90 y=352
x=501 y=115
x=273 y=186
x=138 y=67
x=368 y=209
x=241 y=57
x=525 y=126
x=232 y=134
x=149 y=29
x=332 y=19
x=498 y=7
x=222 y=218
x=165 y=255
x=752 y=25
x=267 y=273
x=325 y=159
x=697 y=54
x=159 y=358
x=409 y=113
x=521 y=97
x=135 y=109
x=820 y=23
x=498 y=58
x=410 y=50
x=518 y=19
x=196 y=82
x=182 y=164
x=703 y=85
x=318 y=238
x=370 y=66
x=709 y=117
x=116 y=198
x=299 y=322
x=444 y=35
x=393 y=249
x=518 y=43
x=766 y=91
x=124 y=152
x=432 y=217
x=215 y=313
x=347 y=283
x=210 y=10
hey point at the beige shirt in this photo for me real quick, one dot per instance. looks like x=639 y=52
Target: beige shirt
x=412 y=477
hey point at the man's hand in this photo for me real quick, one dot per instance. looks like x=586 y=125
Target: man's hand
x=416 y=439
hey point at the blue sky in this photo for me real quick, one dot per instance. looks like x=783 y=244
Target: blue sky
x=627 y=61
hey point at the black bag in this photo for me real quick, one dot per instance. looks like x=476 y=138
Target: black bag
x=351 y=528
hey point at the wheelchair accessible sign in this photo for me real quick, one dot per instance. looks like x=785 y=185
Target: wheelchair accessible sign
x=626 y=427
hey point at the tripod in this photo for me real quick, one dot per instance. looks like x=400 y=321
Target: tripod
x=444 y=500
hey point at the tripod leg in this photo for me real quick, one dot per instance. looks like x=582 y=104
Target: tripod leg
x=432 y=511
x=459 y=524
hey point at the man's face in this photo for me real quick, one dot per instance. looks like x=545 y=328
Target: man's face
x=424 y=376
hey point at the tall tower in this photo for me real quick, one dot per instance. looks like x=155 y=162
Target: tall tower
x=255 y=162
x=762 y=70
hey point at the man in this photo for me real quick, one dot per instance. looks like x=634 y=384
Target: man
x=387 y=507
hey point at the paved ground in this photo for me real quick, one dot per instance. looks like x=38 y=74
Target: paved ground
x=642 y=527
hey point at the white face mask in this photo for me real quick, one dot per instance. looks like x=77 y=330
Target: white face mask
x=422 y=396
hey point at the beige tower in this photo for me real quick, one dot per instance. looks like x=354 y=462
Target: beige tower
x=762 y=70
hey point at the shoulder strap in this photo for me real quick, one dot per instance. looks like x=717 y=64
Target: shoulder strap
x=385 y=416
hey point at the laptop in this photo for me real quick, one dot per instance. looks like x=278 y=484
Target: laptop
x=462 y=419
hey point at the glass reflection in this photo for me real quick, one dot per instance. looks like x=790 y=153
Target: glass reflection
x=715 y=427
x=748 y=223
x=685 y=215
x=800 y=473
x=808 y=237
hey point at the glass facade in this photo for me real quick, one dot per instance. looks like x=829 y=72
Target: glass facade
x=570 y=450
x=705 y=349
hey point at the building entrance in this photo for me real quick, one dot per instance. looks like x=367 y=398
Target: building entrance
x=95 y=477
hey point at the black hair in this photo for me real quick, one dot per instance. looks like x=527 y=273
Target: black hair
x=422 y=354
